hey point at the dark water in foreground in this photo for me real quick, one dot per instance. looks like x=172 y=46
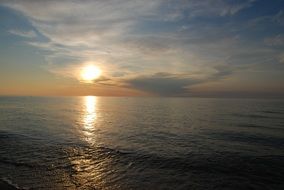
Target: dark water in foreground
x=142 y=143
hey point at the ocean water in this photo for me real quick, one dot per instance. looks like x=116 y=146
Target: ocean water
x=141 y=143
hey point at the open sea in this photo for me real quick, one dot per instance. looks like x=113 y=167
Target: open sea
x=141 y=143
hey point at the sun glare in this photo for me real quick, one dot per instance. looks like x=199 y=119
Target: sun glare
x=90 y=73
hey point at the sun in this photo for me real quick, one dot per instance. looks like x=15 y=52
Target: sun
x=90 y=73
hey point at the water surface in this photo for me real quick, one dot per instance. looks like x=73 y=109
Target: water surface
x=142 y=143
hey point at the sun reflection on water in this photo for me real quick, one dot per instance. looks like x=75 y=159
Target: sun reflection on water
x=89 y=117
x=87 y=171
x=90 y=112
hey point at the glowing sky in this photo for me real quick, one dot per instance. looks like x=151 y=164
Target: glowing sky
x=156 y=47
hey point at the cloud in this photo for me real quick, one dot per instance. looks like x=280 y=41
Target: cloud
x=25 y=34
x=279 y=18
x=281 y=58
x=207 y=8
x=166 y=84
x=169 y=84
x=86 y=23
x=277 y=40
x=94 y=24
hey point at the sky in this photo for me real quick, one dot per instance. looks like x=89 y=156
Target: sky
x=208 y=48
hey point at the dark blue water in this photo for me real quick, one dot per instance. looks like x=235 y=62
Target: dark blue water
x=142 y=143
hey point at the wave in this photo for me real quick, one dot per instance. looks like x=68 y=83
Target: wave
x=250 y=125
x=257 y=116
x=11 y=184
x=273 y=112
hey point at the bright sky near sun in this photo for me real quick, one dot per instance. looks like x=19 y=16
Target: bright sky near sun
x=136 y=48
x=90 y=72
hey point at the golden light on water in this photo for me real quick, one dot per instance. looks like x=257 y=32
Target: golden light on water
x=90 y=104
x=90 y=73
x=86 y=171
x=90 y=112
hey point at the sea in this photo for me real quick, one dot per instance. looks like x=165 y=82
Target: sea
x=141 y=143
